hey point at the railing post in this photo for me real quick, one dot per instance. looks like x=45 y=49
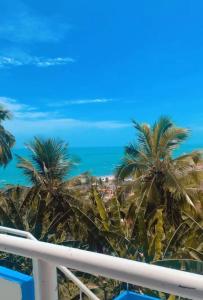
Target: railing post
x=45 y=280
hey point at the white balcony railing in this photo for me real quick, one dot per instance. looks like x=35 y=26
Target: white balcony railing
x=40 y=268
x=47 y=257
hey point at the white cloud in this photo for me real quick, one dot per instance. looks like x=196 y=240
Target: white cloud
x=80 y=102
x=9 y=61
x=30 y=118
x=20 y=110
x=12 y=104
x=22 y=24
x=31 y=115
x=20 y=27
x=87 y=101
x=80 y=133
x=59 y=126
x=47 y=62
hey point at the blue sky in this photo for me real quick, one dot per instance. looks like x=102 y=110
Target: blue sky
x=81 y=70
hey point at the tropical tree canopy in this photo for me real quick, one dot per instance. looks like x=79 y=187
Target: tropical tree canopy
x=156 y=217
x=7 y=140
x=161 y=179
x=49 y=162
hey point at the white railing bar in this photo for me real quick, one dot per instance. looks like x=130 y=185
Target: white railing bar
x=44 y=273
x=17 y=232
x=64 y=270
x=163 y=279
x=77 y=282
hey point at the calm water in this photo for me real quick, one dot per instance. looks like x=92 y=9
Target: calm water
x=100 y=161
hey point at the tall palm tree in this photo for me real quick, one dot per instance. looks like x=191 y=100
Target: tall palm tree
x=7 y=140
x=48 y=164
x=161 y=179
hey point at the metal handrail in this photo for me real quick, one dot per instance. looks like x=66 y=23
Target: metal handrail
x=83 y=288
x=180 y=283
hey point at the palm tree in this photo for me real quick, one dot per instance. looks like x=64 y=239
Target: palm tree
x=7 y=140
x=34 y=210
x=160 y=179
x=47 y=168
x=49 y=162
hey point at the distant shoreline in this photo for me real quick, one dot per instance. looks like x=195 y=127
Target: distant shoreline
x=100 y=162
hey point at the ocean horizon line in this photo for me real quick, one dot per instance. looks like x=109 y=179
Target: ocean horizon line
x=98 y=161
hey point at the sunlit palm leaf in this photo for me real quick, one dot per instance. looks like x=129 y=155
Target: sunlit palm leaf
x=49 y=162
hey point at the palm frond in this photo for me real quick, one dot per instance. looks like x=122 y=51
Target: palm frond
x=159 y=129
x=49 y=161
x=4 y=114
x=29 y=170
x=7 y=141
x=144 y=137
x=172 y=139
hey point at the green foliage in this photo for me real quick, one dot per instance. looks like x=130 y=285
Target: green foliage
x=49 y=162
x=161 y=179
x=188 y=265
x=156 y=243
x=101 y=210
x=155 y=218
x=7 y=140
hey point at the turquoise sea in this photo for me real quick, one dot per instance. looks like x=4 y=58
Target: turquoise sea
x=99 y=161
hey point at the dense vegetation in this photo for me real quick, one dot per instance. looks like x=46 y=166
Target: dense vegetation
x=155 y=217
